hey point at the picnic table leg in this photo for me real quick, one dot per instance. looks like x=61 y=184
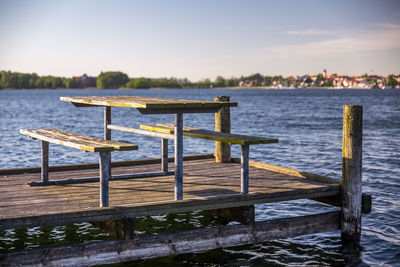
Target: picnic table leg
x=244 y=172
x=178 y=140
x=164 y=155
x=105 y=175
x=107 y=132
x=107 y=121
x=45 y=162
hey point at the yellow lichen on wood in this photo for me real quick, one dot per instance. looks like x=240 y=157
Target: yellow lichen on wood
x=146 y=102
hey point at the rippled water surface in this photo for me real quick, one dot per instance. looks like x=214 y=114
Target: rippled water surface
x=308 y=124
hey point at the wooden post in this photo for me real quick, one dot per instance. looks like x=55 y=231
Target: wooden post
x=243 y=214
x=178 y=140
x=107 y=121
x=121 y=229
x=244 y=171
x=105 y=175
x=351 y=176
x=45 y=162
x=223 y=124
x=164 y=155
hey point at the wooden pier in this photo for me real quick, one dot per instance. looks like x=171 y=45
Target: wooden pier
x=209 y=184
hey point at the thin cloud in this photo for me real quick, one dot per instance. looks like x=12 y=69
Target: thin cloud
x=309 y=32
x=373 y=41
x=390 y=26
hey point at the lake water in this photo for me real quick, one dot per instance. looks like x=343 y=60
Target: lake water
x=308 y=124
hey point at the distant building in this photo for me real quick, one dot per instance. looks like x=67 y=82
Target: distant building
x=86 y=80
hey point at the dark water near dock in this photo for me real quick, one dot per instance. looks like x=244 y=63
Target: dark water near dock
x=308 y=124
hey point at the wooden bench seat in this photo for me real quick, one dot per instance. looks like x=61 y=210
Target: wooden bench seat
x=211 y=135
x=85 y=143
x=77 y=141
x=243 y=140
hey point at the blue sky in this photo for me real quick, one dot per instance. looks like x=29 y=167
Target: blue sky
x=200 y=39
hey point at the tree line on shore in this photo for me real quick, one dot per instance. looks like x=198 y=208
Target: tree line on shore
x=114 y=80
x=117 y=79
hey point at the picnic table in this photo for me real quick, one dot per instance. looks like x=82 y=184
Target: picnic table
x=149 y=105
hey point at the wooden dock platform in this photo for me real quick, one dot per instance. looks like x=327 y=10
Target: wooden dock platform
x=207 y=185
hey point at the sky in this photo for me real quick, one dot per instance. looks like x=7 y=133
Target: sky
x=200 y=39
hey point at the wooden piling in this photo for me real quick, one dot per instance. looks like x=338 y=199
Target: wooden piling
x=223 y=124
x=351 y=176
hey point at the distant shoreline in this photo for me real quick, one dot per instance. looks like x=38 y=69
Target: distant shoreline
x=213 y=88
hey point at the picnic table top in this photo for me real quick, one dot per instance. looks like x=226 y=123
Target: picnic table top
x=140 y=102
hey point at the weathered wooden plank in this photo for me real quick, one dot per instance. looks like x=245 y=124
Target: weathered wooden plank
x=177 y=110
x=351 y=175
x=146 y=102
x=211 y=135
x=141 y=132
x=44 y=136
x=107 y=252
x=366 y=201
x=306 y=175
x=96 y=141
x=77 y=141
x=97 y=178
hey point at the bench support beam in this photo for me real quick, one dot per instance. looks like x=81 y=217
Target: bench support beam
x=244 y=171
x=96 y=178
x=105 y=174
x=178 y=142
x=45 y=162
